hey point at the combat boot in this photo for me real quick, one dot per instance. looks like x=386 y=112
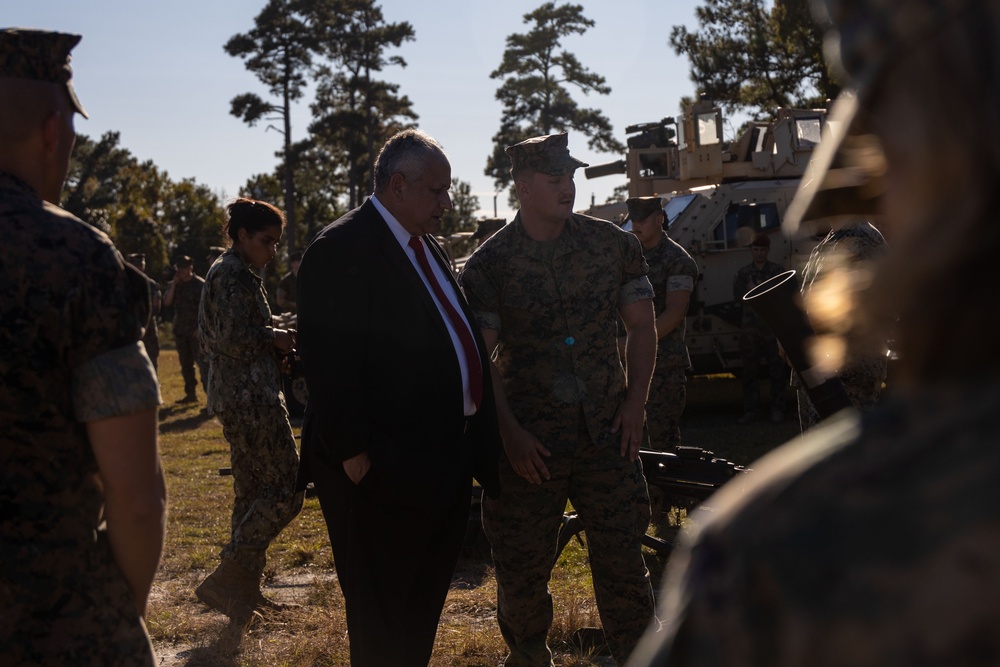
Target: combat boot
x=225 y=591
x=253 y=595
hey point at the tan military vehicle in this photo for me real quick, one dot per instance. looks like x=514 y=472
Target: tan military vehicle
x=717 y=195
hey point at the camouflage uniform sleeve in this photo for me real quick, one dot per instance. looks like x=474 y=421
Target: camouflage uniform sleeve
x=635 y=284
x=682 y=274
x=112 y=374
x=481 y=291
x=234 y=315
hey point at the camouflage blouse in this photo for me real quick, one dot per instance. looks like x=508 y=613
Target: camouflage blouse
x=237 y=338
x=185 y=304
x=671 y=268
x=555 y=307
x=72 y=313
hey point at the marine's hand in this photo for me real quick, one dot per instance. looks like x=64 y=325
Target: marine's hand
x=525 y=453
x=628 y=421
x=284 y=340
x=357 y=467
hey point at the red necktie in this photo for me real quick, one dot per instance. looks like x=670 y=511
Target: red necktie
x=464 y=335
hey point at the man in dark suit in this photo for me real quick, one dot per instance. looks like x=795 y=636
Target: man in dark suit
x=401 y=413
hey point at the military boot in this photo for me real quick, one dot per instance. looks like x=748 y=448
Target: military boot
x=253 y=595
x=225 y=590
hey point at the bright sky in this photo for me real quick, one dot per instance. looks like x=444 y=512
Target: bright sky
x=156 y=72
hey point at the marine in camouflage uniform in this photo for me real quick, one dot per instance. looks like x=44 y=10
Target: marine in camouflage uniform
x=874 y=539
x=183 y=296
x=671 y=270
x=244 y=393
x=72 y=314
x=854 y=246
x=756 y=340
x=553 y=308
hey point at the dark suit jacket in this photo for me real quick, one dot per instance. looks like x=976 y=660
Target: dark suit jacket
x=382 y=372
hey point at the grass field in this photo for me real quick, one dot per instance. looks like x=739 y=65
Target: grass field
x=300 y=563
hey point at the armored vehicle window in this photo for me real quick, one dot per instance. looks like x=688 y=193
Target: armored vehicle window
x=653 y=164
x=808 y=131
x=759 y=139
x=708 y=128
x=756 y=217
x=676 y=206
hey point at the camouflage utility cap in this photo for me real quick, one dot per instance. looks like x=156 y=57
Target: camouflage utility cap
x=640 y=208
x=39 y=55
x=547 y=154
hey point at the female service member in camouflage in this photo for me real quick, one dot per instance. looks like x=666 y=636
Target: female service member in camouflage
x=244 y=392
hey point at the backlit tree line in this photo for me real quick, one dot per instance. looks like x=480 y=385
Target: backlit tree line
x=748 y=55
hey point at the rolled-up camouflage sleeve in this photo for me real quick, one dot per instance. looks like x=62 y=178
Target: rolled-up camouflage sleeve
x=635 y=284
x=119 y=382
x=680 y=284
x=482 y=293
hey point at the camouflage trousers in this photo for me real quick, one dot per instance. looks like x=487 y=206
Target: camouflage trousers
x=755 y=347
x=189 y=354
x=265 y=464
x=667 y=396
x=68 y=605
x=609 y=493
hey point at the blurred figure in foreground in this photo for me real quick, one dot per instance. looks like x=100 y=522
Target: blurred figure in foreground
x=244 y=391
x=82 y=496
x=846 y=253
x=875 y=538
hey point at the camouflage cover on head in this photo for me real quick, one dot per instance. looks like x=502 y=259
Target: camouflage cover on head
x=547 y=154
x=640 y=208
x=39 y=55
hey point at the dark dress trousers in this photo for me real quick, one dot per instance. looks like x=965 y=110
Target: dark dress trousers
x=384 y=378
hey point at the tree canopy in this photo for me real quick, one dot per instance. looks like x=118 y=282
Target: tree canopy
x=537 y=75
x=355 y=112
x=278 y=50
x=139 y=206
x=750 y=59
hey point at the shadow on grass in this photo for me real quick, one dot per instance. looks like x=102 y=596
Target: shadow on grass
x=224 y=651
x=182 y=417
